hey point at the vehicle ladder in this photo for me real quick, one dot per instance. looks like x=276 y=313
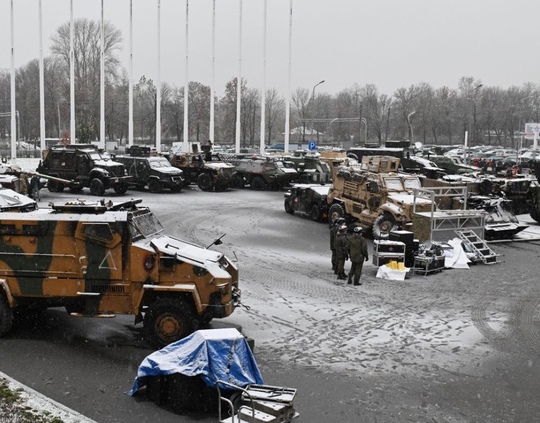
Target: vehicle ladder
x=479 y=246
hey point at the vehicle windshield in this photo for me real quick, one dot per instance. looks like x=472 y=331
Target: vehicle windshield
x=393 y=184
x=144 y=225
x=100 y=156
x=159 y=162
x=412 y=183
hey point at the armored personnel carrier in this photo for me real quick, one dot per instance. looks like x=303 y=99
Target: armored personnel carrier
x=98 y=259
x=375 y=196
x=154 y=172
x=77 y=166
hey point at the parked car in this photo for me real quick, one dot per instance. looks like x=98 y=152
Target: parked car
x=308 y=199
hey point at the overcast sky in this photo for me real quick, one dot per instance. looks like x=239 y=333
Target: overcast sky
x=389 y=43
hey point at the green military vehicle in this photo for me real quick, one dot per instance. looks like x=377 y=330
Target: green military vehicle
x=79 y=166
x=98 y=259
x=261 y=172
x=154 y=172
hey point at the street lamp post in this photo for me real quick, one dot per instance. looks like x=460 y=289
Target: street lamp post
x=409 y=116
x=313 y=111
x=364 y=121
x=473 y=132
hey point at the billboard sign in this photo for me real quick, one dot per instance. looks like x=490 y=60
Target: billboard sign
x=531 y=129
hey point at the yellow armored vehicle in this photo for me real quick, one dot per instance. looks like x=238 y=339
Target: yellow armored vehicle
x=375 y=196
x=100 y=259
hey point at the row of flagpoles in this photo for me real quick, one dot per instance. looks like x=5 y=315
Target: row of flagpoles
x=158 y=79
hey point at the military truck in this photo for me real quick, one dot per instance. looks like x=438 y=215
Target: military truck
x=375 y=196
x=77 y=166
x=262 y=172
x=98 y=259
x=154 y=172
x=207 y=169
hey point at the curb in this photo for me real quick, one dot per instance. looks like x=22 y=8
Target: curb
x=40 y=402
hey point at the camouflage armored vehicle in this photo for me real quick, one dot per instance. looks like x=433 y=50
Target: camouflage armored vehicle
x=77 y=166
x=100 y=259
x=373 y=195
x=154 y=172
x=206 y=169
x=262 y=172
x=310 y=168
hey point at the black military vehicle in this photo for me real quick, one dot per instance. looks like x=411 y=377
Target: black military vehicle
x=308 y=199
x=78 y=166
x=154 y=172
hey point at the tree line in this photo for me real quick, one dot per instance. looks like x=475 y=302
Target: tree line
x=490 y=115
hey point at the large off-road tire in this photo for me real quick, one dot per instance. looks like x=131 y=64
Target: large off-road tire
x=55 y=186
x=383 y=225
x=168 y=320
x=97 y=187
x=121 y=188
x=237 y=181
x=155 y=186
x=336 y=211
x=315 y=213
x=204 y=182
x=258 y=183
x=288 y=206
x=535 y=215
x=6 y=315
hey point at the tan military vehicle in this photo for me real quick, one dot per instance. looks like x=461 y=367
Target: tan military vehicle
x=100 y=259
x=374 y=195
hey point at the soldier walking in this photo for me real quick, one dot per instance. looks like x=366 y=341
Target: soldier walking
x=342 y=251
x=333 y=235
x=358 y=253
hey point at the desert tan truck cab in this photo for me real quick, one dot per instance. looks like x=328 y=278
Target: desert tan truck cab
x=374 y=195
x=99 y=259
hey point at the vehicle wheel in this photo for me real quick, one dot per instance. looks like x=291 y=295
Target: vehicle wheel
x=6 y=315
x=336 y=211
x=55 y=186
x=237 y=181
x=121 y=188
x=315 y=213
x=288 y=206
x=258 y=183
x=535 y=215
x=204 y=182
x=169 y=320
x=383 y=225
x=96 y=187
x=155 y=186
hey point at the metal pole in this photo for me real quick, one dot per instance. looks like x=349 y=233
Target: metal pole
x=42 y=134
x=213 y=80
x=130 y=124
x=186 y=87
x=158 y=80
x=263 y=94
x=313 y=101
x=72 y=134
x=13 y=106
x=288 y=95
x=102 y=82
x=239 y=81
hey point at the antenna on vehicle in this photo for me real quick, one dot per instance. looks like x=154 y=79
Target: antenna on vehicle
x=217 y=241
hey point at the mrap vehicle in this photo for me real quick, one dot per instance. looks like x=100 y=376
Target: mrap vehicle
x=100 y=259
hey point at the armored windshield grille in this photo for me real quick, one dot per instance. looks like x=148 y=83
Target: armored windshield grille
x=117 y=170
x=147 y=224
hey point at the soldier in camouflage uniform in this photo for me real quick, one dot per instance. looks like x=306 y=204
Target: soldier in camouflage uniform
x=333 y=235
x=358 y=253
x=342 y=251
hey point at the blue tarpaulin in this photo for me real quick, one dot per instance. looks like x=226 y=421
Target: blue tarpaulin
x=214 y=354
